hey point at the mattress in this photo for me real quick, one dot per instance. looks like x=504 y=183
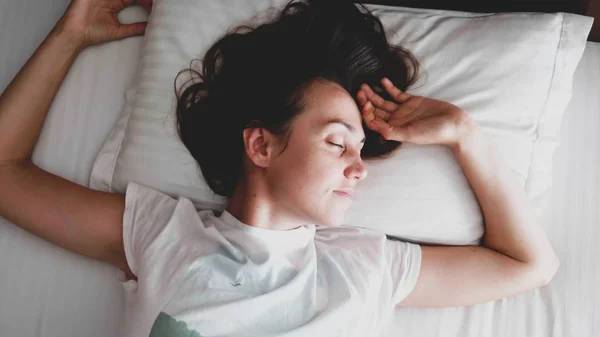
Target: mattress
x=47 y=291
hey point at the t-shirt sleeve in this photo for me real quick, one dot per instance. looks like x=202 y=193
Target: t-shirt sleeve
x=147 y=213
x=403 y=261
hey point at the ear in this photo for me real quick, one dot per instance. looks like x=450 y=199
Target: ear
x=260 y=145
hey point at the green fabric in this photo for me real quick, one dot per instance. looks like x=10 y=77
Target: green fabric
x=167 y=326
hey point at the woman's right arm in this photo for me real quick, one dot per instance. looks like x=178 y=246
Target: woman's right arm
x=74 y=217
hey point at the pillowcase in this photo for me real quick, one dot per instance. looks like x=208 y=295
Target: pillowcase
x=512 y=71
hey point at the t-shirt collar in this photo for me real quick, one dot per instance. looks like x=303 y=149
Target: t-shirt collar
x=297 y=236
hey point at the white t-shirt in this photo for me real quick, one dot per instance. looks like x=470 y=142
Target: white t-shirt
x=203 y=274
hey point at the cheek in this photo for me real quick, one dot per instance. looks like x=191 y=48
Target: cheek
x=320 y=169
x=310 y=171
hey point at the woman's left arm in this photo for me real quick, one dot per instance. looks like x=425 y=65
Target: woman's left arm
x=25 y=102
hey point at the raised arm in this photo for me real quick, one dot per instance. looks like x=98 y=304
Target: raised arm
x=25 y=102
x=69 y=215
x=516 y=255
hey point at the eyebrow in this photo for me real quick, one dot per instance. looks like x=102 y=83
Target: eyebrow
x=342 y=122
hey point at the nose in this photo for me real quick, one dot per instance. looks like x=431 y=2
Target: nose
x=357 y=170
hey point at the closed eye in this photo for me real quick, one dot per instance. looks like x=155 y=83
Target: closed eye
x=334 y=144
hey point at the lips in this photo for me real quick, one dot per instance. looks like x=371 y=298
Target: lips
x=346 y=193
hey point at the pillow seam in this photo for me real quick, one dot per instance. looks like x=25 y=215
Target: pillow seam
x=118 y=151
x=550 y=90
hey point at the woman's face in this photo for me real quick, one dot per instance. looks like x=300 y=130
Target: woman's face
x=306 y=179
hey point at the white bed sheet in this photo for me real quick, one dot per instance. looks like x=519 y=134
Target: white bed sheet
x=47 y=291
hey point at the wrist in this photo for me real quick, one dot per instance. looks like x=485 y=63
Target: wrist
x=467 y=132
x=69 y=36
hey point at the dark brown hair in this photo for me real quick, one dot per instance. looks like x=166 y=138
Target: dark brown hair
x=256 y=77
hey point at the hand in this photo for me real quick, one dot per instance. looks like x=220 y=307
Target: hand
x=413 y=119
x=92 y=22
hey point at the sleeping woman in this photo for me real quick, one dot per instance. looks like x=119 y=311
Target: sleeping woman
x=280 y=120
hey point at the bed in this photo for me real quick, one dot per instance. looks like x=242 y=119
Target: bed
x=47 y=291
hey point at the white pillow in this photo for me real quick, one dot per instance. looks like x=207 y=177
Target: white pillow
x=512 y=72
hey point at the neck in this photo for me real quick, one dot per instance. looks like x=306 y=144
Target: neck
x=253 y=206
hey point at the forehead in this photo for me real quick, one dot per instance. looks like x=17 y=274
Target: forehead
x=327 y=101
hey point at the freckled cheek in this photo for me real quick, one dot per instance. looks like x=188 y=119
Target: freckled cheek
x=323 y=170
x=306 y=170
x=314 y=167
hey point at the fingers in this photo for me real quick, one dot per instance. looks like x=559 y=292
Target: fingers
x=378 y=101
x=377 y=112
x=133 y=29
x=373 y=121
x=361 y=96
x=368 y=111
x=386 y=130
x=365 y=108
x=396 y=93
x=147 y=4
